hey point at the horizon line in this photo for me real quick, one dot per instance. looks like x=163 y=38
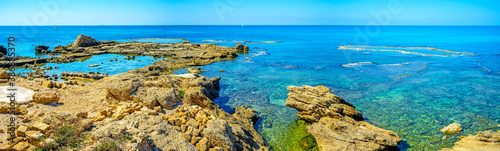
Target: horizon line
x=246 y=25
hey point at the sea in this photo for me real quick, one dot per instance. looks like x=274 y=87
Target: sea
x=413 y=80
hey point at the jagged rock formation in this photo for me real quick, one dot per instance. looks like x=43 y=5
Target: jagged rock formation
x=84 y=41
x=483 y=141
x=41 y=49
x=336 y=124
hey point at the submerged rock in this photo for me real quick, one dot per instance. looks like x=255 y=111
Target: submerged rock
x=84 y=41
x=452 y=129
x=337 y=125
x=483 y=141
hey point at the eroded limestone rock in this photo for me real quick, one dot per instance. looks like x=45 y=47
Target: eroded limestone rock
x=336 y=124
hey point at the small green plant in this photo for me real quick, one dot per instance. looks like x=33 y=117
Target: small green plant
x=128 y=137
x=107 y=146
x=67 y=136
x=181 y=93
x=41 y=139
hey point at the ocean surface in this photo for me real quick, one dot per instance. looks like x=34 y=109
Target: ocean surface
x=412 y=94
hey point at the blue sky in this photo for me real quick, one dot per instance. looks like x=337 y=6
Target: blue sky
x=250 y=12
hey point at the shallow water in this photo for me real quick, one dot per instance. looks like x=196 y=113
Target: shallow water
x=415 y=100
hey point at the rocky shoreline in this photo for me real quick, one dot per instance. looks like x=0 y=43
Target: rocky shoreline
x=142 y=109
x=152 y=109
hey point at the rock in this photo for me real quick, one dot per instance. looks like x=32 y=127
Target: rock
x=483 y=141
x=21 y=130
x=218 y=134
x=202 y=145
x=49 y=84
x=246 y=114
x=452 y=129
x=81 y=114
x=39 y=126
x=33 y=137
x=86 y=123
x=196 y=70
x=21 y=146
x=222 y=71
x=45 y=97
x=4 y=74
x=84 y=41
x=118 y=116
x=5 y=147
x=3 y=51
x=336 y=124
x=41 y=48
x=316 y=102
x=242 y=48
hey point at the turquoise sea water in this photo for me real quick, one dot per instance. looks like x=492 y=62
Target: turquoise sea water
x=410 y=94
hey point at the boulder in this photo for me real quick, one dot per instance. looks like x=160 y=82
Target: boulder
x=336 y=124
x=41 y=49
x=196 y=70
x=316 y=102
x=3 y=51
x=45 y=97
x=483 y=141
x=21 y=146
x=84 y=41
x=452 y=129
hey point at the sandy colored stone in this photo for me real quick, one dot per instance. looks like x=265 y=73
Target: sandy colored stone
x=100 y=118
x=21 y=130
x=118 y=116
x=40 y=126
x=483 y=141
x=21 y=146
x=45 y=97
x=336 y=124
x=4 y=74
x=452 y=129
x=84 y=41
x=81 y=114
x=203 y=144
x=6 y=147
x=48 y=84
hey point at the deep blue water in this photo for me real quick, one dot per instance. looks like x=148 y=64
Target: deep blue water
x=415 y=99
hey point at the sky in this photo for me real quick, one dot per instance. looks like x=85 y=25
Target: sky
x=250 y=12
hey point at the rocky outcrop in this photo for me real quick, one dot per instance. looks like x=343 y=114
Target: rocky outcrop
x=41 y=49
x=84 y=41
x=242 y=48
x=4 y=74
x=3 y=50
x=483 y=141
x=452 y=129
x=336 y=124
